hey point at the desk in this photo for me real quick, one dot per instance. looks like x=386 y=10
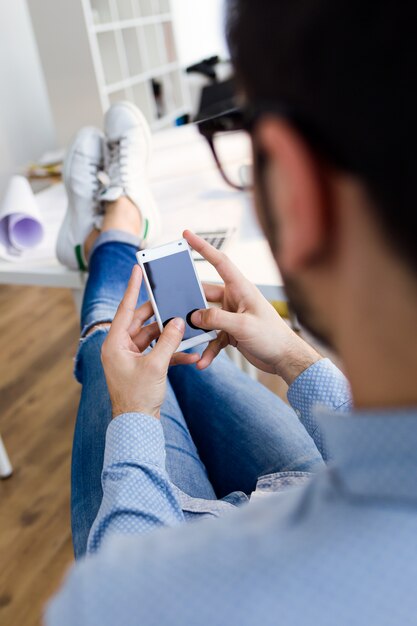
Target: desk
x=190 y=194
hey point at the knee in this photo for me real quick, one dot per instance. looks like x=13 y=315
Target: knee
x=88 y=357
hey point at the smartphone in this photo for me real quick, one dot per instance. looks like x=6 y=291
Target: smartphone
x=174 y=289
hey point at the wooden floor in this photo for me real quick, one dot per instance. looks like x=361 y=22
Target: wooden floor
x=38 y=402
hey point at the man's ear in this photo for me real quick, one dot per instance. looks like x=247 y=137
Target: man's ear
x=296 y=193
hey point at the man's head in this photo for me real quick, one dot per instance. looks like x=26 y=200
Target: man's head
x=335 y=174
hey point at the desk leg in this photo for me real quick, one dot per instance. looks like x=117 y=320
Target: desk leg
x=6 y=469
x=77 y=295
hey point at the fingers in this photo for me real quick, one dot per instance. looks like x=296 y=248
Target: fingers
x=145 y=336
x=217 y=319
x=212 y=350
x=126 y=309
x=141 y=315
x=168 y=342
x=185 y=358
x=214 y=293
x=227 y=270
x=151 y=332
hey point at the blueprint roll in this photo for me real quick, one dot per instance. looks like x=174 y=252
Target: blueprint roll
x=21 y=226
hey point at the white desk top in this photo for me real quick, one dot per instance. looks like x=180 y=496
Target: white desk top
x=190 y=194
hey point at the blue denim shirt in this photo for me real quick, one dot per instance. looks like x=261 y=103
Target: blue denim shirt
x=337 y=548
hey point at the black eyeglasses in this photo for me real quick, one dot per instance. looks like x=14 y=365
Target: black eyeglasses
x=228 y=137
x=234 y=157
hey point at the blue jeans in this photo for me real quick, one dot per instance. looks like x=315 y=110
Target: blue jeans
x=222 y=429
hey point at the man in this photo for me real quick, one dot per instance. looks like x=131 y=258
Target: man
x=333 y=126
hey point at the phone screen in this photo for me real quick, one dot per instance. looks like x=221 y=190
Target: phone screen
x=176 y=290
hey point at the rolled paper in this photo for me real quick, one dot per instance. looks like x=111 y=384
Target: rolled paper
x=24 y=231
x=21 y=226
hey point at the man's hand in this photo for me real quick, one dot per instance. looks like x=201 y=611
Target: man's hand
x=137 y=381
x=247 y=321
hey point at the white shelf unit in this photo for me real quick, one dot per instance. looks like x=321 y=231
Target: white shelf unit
x=97 y=52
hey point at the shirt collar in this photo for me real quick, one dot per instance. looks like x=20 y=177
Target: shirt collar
x=374 y=453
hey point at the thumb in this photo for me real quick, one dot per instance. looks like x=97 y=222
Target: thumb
x=215 y=318
x=169 y=341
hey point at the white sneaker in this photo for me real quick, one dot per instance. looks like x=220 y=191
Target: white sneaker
x=83 y=162
x=126 y=154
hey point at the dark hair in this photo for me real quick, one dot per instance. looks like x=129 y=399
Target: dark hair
x=347 y=68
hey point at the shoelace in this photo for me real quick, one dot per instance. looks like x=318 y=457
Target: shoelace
x=94 y=172
x=97 y=185
x=111 y=175
x=116 y=157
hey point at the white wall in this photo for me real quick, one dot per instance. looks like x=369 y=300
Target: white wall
x=26 y=128
x=199 y=26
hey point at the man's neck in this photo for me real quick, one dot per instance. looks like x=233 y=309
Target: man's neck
x=383 y=379
x=379 y=344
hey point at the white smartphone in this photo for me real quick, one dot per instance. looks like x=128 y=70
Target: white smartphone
x=174 y=289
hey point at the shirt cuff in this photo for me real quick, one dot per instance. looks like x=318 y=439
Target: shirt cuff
x=135 y=436
x=320 y=384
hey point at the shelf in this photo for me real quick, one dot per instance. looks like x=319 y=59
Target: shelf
x=151 y=37
x=139 y=21
x=149 y=7
x=107 y=12
x=169 y=40
x=143 y=98
x=164 y=6
x=127 y=10
x=108 y=48
x=101 y=11
x=119 y=96
x=171 y=95
x=133 y=53
x=148 y=75
x=125 y=50
x=138 y=55
x=168 y=119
